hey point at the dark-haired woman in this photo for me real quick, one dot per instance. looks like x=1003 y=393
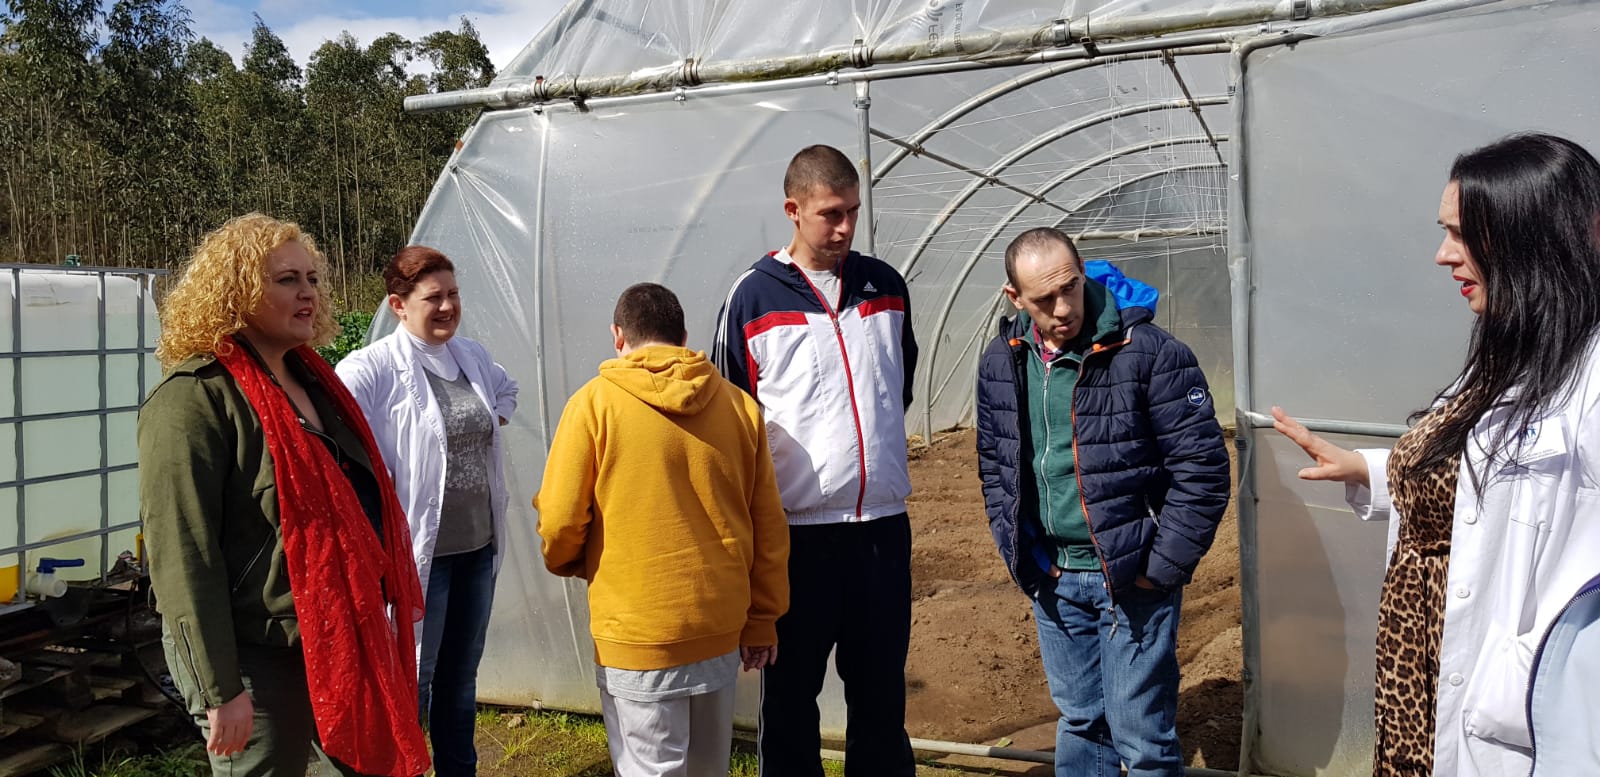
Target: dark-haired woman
x=1493 y=496
x=436 y=403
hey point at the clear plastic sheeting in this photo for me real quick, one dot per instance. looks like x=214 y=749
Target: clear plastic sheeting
x=1118 y=148
x=600 y=37
x=550 y=212
x=548 y=219
x=663 y=159
x=1348 y=142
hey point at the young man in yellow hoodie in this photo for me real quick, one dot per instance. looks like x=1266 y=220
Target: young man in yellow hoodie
x=659 y=490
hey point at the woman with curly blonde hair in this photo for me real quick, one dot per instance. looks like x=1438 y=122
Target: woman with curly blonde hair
x=279 y=556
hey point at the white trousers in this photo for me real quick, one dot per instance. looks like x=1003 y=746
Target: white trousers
x=689 y=736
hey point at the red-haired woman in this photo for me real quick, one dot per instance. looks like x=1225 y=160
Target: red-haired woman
x=436 y=403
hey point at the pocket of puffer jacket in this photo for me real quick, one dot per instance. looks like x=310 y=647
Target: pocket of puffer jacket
x=1495 y=707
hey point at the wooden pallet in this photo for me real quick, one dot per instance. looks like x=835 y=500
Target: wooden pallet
x=34 y=759
x=93 y=724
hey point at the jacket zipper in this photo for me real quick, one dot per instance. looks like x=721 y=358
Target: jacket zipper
x=1018 y=375
x=1044 y=457
x=188 y=649
x=849 y=379
x=1077 y=472
x=1533 y=672
x=252 y=565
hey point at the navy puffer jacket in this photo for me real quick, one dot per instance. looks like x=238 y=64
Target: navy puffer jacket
x=1152 y=462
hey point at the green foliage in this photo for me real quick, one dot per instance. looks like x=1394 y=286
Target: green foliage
x=124 y=140
x=353 y=327
x=186 y=761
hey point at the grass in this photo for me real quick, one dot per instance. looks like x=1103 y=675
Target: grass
x=511 y=743
x=744 y=765
x=185 y=761
x=526 y=743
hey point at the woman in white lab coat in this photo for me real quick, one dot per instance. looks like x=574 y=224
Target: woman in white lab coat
x=436 y=403
x=1493 y=496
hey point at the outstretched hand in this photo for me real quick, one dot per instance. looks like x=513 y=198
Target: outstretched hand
x=1331 y=461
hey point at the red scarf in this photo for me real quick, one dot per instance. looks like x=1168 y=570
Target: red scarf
x=360 y=665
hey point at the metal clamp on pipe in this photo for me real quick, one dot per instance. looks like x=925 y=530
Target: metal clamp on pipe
x=860 y=55
x=1061 y=31
x=689 y=72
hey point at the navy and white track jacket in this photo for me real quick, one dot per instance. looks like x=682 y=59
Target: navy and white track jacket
x=833 y=386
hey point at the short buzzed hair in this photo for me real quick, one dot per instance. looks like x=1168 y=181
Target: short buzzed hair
x=1034 y=240
x=819 y=166
x=650 y=313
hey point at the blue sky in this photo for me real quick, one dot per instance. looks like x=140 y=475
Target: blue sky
x=504 y=25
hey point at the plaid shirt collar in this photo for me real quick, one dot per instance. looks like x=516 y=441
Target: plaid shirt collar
x=1046 y=353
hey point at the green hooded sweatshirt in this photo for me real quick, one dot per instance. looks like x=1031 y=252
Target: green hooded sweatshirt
x=1054 y=462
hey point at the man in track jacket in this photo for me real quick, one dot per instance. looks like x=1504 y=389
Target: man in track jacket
x=1104 y=475
x=821 y=337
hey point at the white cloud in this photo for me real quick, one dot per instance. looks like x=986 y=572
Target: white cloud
x=506 y=27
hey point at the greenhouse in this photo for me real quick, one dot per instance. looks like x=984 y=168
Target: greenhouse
x=1272 y=167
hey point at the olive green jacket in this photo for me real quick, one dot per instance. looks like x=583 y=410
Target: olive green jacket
x=209 y=503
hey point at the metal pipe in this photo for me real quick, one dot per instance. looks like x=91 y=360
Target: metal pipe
x=1123 y=184
x=913 y=143
x=867 y=223
x=1001 y=47
x=16 y=429
x=105 y=441
x=539 y=328
x=902 y=145
x=65 y=414
x=42 y=479
x=1077 y=170
x=78 y=269
x=1034 y=145
x=982 y=751
x=972 y=263
x=83 y=535
x=1177 y=75
x=1242 y=284
x=888 y=73
x=1011 y=754
x=1164 y=233
x=1324 y=426
x=74 y=352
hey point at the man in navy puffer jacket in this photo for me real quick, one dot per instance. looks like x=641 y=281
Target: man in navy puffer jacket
x=1105 y=474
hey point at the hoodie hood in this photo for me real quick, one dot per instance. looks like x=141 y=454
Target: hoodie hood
x=668 y=378
x=1129 y=292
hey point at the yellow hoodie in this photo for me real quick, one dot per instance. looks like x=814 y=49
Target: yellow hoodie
x=659 y=491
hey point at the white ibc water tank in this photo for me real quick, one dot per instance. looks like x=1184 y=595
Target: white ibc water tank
x=76 y=359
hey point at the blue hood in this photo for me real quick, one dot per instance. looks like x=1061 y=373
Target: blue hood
x=1129 y=292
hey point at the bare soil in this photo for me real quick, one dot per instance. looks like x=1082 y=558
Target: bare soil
x=974 y=673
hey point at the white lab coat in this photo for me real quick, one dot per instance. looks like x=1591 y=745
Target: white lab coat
x=1519 y=551
x=1566 y=721
x=388 y=382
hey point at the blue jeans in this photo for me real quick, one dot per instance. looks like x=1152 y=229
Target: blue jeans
x=460 y=593
x=1113 y=673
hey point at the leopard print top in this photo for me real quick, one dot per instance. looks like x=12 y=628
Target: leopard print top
x=1411 y=616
